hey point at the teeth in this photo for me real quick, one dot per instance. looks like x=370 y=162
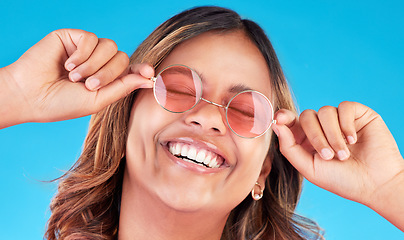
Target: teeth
x=201 y=156
x=192 y=153
x=177 y=149
x=208 y=159
x=184 y=150
x=213 y=163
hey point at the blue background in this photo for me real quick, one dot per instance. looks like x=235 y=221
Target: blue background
x=330 y=51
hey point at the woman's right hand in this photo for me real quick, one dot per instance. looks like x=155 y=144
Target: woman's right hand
x=68 y=74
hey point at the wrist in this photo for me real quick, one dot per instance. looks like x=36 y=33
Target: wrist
x=386 y=191
x=388 y=200
x=12 y=108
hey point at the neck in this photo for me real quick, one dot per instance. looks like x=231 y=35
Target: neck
x=142 y=216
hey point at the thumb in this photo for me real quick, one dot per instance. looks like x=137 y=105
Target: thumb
x=118 y=89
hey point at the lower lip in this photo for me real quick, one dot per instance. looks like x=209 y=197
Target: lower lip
x=192 y=166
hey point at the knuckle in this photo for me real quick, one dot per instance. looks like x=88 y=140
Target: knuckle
x=56 y=32
x=127 y=90
x=110 y=44
x=60 y=33
x=326 y=110
x=337 y=142
x=346 y=127
x=135 y=67
x=91 y=36
x=88 y=69
x=307 y=112
x=317 y=141
x=107 y=75
x=344 y=104
x=123 y=58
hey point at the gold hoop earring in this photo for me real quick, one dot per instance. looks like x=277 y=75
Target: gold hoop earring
x=257 y=196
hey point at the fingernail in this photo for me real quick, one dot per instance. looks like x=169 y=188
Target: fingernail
x=70 y=66
x=326 y=153
x=75 y=77
x=350 y=139
x=342 y=154
x=93 y=83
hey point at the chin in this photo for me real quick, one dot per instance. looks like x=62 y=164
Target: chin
x=185 y=201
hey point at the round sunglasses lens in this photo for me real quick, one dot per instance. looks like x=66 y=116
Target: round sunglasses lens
x=249 y=114
x=177 y=89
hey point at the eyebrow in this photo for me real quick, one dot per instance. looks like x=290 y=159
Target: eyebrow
x=239 y=88
x=233 y=89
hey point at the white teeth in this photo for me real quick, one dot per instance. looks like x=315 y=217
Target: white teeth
x=184 y=150
x=213 y=162
x=177 y=149
x=192 y=153
x=202 y=156
x=208 y=159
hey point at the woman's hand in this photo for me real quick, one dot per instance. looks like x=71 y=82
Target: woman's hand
x=68 y=74
x=349 y=151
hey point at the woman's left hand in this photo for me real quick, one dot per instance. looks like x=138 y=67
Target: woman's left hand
x=346 y=150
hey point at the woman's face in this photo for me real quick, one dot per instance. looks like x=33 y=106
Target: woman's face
x=225 y=61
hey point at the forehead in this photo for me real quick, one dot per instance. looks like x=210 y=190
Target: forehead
x=223 y=60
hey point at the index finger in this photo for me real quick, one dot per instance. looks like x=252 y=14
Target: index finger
x=346 y=114
x=144 y=69
x=291 y=147
x=290 y=120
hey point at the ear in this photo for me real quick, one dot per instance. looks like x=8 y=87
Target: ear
x=265 y=170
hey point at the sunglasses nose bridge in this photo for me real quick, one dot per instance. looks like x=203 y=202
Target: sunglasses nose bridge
x=213 y=103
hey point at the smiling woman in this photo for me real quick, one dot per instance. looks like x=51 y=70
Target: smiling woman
x=155 y=181
x=161 y=176
x=193 y=158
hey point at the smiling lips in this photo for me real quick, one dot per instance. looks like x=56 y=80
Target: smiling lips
x=196 y=155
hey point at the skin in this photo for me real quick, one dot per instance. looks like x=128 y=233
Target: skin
x=373 y=172
x=152 y=179
x=41 y=85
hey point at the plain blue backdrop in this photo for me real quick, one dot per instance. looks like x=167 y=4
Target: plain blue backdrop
x=330 y=51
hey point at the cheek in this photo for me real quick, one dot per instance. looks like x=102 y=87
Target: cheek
x=253 y=152
x=147 y=121
x=144 y=124
x=251 y=156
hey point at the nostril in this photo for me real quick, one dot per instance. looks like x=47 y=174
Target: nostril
x=203 y=119
x=195 y=123
x=198 y=124
x=216 y=129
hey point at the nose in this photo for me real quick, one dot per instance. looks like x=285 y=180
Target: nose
x=207 y=117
